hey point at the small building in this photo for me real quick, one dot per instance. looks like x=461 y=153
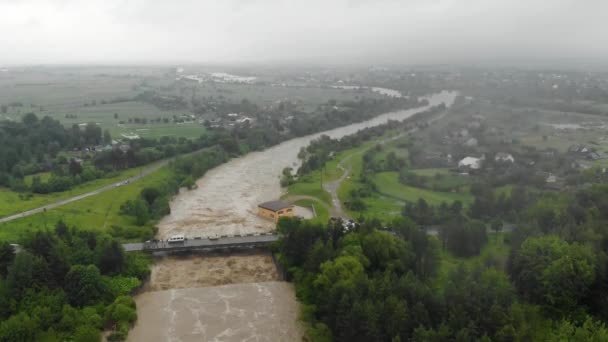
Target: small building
x=504 y=157
x=472 y=142
x=471 y=163
x=274 y=209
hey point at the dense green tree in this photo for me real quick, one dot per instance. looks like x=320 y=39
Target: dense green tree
x=87 y=333
x=7 y=255
x=27 y=271
x=590 y=330
x=18 y=328
x=385 y=252
x=141 y=212
x=550 y=271
x=53 y=251
x=107 y=138
x=83 y=285
x=110 y=255
x=464 y=238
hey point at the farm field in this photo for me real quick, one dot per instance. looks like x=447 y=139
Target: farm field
x=13 y=203
x=98 y=213
x=388 y=184
x=104 y=95
x=310 y=185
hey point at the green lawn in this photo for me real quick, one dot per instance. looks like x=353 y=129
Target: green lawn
x=309 y=185
x=431 y=172
x=99 y=212
x=13 y=203
x=388 y=184
x=331 y=171
x=321 y=209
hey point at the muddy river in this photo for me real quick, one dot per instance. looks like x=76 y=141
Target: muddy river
x=226 y=199
x=235 y=297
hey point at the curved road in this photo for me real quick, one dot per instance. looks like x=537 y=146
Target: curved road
x=142 y=174
x=332 y=187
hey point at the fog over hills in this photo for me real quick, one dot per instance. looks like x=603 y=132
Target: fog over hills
x=315 y=31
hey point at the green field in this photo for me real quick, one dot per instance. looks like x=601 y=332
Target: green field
x=431 y=172
x=310 y=185
x=320 y=208
x=99 y=212
x=78 y=95
x=13 y=203
x=388 y=184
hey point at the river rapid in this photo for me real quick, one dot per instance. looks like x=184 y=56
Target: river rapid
x=226 y=198
x=177 y=306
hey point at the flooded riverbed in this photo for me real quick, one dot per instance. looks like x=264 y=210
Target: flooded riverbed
x=266 y=311
x=211 y=269
x=226 y=199
x=178 y=306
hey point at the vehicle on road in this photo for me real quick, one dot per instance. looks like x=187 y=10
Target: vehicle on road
x=176 y=239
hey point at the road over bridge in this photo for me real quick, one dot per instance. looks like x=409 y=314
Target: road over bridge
x=244 y=241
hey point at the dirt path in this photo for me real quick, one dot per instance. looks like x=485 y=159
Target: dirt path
x=333 y=186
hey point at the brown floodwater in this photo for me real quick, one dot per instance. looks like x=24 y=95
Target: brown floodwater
x=231 y=297
x=211 y=269
x=226 y=198
x=266 y=311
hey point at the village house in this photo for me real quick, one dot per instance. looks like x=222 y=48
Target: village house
x=504 y=157
x=273 y=210
x=472 y=142
x=470 y=163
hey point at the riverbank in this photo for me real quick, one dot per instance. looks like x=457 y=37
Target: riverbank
x=224 y=203
x=226 y=198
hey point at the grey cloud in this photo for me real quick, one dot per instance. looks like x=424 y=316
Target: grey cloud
x=349 y=31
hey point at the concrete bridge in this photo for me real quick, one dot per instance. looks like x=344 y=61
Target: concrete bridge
x=198 y=243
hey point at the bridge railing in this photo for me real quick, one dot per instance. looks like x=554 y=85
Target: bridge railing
x=212 y=242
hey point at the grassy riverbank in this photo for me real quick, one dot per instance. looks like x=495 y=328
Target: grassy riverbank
x=15 y=202
x=97 y=213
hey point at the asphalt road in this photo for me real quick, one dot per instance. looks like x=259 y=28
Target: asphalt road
x=143 y=173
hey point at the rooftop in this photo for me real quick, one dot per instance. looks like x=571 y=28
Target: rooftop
x=275 y=205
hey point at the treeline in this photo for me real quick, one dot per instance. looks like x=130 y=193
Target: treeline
x=558 y=253
x=26 y=146
x=349 y=112
x=164 y=102
x=68 y=285
x=153 y=202
x=372 y=285
x=319 y=151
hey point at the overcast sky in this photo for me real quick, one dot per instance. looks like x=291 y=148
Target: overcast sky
x=317 y=31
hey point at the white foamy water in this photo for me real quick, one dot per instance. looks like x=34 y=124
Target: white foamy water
x=226 y=199
x=265 y=312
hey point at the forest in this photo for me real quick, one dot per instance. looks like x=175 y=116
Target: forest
x=68 y=284
x=422 y=276
x=380 y=282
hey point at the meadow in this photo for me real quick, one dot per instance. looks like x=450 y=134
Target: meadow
x=97 y=213
x=15 y=202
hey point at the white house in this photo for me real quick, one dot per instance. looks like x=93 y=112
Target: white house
x=471 y=142
x=504 y=157
x=470 y=163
